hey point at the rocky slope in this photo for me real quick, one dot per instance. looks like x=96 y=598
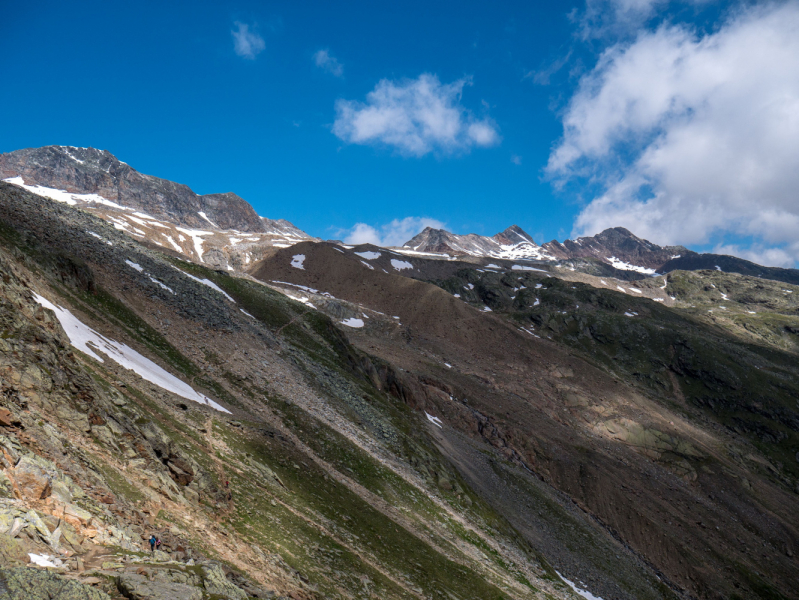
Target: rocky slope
x=145 y=394
x=333 y=422
x=674 y=433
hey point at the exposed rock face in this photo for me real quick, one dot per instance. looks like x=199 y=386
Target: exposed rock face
x=617 y=243
x=92 y=171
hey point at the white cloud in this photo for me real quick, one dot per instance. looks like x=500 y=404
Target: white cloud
x=692 y=138
x=774 y=257
x=516 y=159
x=328 y=63
x=415 y=117
x=395 y=233
x=246 y=43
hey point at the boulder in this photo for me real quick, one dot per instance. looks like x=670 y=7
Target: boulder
x=137 y=587
x=35 y=521
x=6 y=488
x=160 y=556
x=24 y=583
x=216 y=583
x=32 y=480
x=76 y=516
x=61 y=492
x=11 y=551
x=7 y=418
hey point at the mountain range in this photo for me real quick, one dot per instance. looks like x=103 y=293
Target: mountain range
x=462 y=417
x=225 y=231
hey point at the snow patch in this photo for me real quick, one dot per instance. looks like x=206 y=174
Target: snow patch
x=87 y=340
x=134 y=266
x=353 y=322
x=196 y=238
x=174 y=245
x=434 y=420
x=624 y=266
x=368 y=255
x=99 y=237
x=62 y=195
x=206 y=282
x=43 y=560
x=399 y=265
x=366 y=264
x=580 y=592
x=204 y=216
x=161 y=285
x=297 y=261
x=523 y=268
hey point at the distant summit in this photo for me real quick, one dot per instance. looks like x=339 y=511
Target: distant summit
x=221 y=230
x=513 y=244
x=92 y=171
x=615 y=249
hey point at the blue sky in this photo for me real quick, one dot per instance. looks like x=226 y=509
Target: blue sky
x=564 y=118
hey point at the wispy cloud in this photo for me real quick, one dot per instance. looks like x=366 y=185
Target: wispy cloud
x=395 y=233
x=516 y=159
x=543 y=75
x=246 y=43
x=693 y=138
x=325 y=61
x=415 y=117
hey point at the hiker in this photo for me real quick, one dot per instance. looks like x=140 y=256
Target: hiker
x=153 y=541
x=157 y=543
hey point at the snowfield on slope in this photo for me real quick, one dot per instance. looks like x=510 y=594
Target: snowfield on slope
x=623 y=266
x=297 y=261
x=399 y=265
x=206 y=282
x=580 y=592
x=353 y=322
x=87 y=340
x=62 y=195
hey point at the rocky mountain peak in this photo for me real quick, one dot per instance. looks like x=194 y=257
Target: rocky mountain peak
x=92 y=171
x=514 y=235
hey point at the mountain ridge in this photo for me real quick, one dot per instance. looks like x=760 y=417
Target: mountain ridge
x=616 y=248
x=222 y=230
